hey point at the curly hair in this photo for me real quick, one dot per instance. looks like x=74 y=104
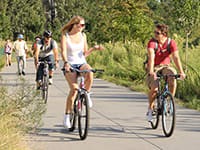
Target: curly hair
x=163 y=28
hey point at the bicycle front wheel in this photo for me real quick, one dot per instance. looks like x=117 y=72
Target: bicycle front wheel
x=45 y=86
x=74 y=115
x=155 y=115
x=83 y=116
x=168 y=114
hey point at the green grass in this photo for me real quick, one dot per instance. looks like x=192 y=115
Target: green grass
x=123 y=65
x=20 y=113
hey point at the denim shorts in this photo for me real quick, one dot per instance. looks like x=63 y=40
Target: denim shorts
x=75 y=66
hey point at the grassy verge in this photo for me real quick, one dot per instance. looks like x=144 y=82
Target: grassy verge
x=20 y=113
x=123 y=64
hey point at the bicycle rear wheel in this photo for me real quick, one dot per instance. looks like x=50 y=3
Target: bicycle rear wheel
x=83 y=116
x=168 y=114
x=45 y=87
x=155 y=115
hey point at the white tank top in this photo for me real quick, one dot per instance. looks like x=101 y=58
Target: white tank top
x=75 y=51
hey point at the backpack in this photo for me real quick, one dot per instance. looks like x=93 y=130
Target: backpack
x=51 y=45
x=145 y=63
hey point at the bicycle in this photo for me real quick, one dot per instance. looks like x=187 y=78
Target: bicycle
x=81 y=106
x=45 y=80
x=164 y=106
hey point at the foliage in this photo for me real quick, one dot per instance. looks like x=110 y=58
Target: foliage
x=23 y=16
x=107 y=20
x=20 y=112
x=125 y=24
x=183 y=17
x=123 y=64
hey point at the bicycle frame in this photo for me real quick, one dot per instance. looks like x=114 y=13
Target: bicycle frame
x=44 y=86
x=81 y=107
x=161 y=92
x=164 y=106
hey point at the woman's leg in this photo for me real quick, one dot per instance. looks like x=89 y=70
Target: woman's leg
x=88 y=77
x=72 y=82
x=7 y=61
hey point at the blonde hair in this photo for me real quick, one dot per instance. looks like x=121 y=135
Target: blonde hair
x=74 y=20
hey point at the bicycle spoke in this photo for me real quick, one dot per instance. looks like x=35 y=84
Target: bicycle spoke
x=155 y=115
x=45 y=89
x=83 y=118
x=168 y=115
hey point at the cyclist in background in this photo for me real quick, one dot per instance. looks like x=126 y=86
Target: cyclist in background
x=159 y=60
x=74 y=50
x=33 y=48
x=47 y=50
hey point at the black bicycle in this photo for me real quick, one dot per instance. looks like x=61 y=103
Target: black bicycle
x=164 y=106
x=81 y=107
x=45 y=80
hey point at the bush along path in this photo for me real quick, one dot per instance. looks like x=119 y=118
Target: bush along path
x=21 y=109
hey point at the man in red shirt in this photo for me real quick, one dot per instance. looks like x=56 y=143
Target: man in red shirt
x=159 y=60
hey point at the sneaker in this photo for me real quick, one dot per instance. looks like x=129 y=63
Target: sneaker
x=23 y=73
x=89 y=100
x=50 y=81
x=66 y=121
x=149 y=115
x=19 y=73
x=39 y=82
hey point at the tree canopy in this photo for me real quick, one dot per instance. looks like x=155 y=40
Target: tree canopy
x=106 y=20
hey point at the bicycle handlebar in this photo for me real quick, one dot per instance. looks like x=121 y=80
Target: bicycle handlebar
x=176 y=76
x=84 y=71
x=44 y=61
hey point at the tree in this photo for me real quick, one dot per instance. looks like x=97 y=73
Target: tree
x=4 y=20
x=186 y=15
x=25 y=17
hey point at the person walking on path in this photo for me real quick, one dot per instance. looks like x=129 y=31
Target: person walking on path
x=20 y=47
x=8 y=51
x=74 y=50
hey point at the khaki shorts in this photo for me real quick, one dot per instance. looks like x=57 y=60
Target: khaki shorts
x=164 y=69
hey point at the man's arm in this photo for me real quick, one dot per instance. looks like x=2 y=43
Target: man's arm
x=177 y=61
x=55 y=51
x=37 y=50
x=151 y=56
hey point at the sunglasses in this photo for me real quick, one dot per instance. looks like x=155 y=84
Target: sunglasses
x=82 y=25
x=158 y=33
x=48 y=38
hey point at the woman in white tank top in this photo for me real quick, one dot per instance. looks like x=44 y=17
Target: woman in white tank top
x=74 y=50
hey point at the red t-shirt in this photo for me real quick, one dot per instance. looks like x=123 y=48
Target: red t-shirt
x=162 y=55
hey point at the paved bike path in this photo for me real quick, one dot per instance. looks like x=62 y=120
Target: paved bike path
x=117 y=120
